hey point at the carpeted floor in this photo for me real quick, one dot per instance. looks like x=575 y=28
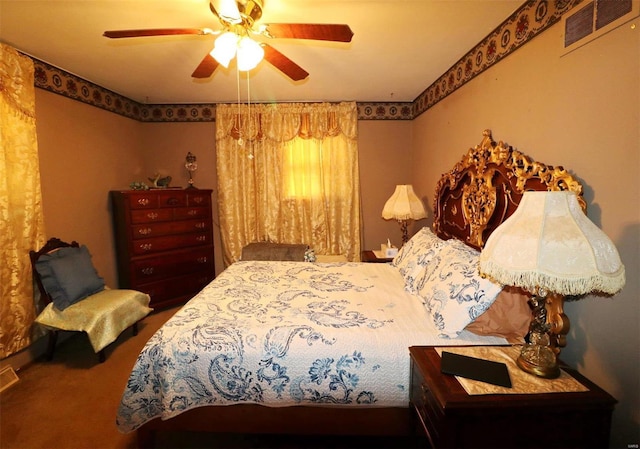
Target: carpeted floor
x=71 y=403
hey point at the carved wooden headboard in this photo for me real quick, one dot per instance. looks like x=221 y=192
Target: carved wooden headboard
x=484 y=188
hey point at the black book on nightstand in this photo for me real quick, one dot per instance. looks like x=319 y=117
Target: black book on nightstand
x=495 y=373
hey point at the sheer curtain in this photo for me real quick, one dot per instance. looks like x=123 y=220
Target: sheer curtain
x=288 y=173
x=21 y=219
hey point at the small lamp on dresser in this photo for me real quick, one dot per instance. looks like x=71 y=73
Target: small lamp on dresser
x=403 y=206
x=191 y=165
x=551 y=249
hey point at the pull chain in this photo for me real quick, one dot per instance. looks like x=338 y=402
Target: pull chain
x=251 y=136
x=240 y=140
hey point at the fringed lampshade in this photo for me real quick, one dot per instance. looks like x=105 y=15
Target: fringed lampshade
x=550 y=243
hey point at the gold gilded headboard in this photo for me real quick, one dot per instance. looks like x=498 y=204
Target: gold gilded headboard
x=484 y=188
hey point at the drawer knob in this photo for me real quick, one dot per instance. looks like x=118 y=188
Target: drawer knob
x=198 y=200
x=201 y=238
x=148 y=271
x=173 y=201
x=144 y=231
x=143 y=201
x=202 y=259
x=192 y=212
x=425 y=392
x=152 y=215
x=200 y=225
x=146 y=246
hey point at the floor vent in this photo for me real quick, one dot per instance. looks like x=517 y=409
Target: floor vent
x=591 y=20
x=8 y=377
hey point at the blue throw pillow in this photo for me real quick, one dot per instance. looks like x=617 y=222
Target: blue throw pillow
x=68 y=275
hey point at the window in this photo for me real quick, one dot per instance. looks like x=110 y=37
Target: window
x=302 y=173
x=294 y=179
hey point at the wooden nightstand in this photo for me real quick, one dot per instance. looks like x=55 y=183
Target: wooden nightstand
x=370 y=257
x=451 y=418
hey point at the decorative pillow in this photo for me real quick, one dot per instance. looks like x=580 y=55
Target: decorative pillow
x=509 y=316
x=452 y=289
x=68 y=275
x=416 y=254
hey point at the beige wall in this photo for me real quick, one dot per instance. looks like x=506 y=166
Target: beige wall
x=84 y=152
x=582 y=111
x=384 y=150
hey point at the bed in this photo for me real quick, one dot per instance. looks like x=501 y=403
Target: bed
x=313 y=348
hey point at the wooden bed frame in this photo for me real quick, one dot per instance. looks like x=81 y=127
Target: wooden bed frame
x=471 y=200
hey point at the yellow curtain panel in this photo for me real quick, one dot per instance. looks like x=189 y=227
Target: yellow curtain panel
x=288 y=173
x=21 y=219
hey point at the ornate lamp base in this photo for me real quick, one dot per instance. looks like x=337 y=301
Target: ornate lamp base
x=403 y=228
x=538 y=357
x=191 y=186
x=539 y=360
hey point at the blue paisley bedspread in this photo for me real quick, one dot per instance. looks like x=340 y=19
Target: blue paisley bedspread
x=283 y=334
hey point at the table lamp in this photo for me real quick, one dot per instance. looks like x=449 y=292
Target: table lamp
x=191 y=165
x=403 y=206
x=550 y=248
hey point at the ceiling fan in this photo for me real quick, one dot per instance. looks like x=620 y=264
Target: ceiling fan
x=238 y=18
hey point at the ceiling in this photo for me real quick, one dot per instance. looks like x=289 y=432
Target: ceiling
x=398 y=49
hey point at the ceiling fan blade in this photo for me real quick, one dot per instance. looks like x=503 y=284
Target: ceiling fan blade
x=315 y=31
x=206 y=67
x=156 y=32
x=284 y=64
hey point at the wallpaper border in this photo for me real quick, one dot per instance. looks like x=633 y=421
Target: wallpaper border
x=531 y=19
x=528 y=21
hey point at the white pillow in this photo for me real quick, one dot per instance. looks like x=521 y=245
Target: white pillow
x=415 y=255
x=452 y=289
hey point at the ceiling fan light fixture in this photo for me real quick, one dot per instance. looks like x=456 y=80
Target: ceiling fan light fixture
x=225 y=48
x=249 y=54
x=227 y=10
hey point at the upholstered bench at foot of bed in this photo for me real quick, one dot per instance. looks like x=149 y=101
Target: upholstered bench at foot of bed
x=274 y=251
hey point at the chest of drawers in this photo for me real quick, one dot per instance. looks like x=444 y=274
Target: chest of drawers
x=164 y=242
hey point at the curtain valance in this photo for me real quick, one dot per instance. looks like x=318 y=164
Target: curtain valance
x=283 y=122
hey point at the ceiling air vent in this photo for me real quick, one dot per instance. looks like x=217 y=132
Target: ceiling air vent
x=589 y=21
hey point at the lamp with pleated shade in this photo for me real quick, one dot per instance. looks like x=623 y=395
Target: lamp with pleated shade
x=403 y=206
